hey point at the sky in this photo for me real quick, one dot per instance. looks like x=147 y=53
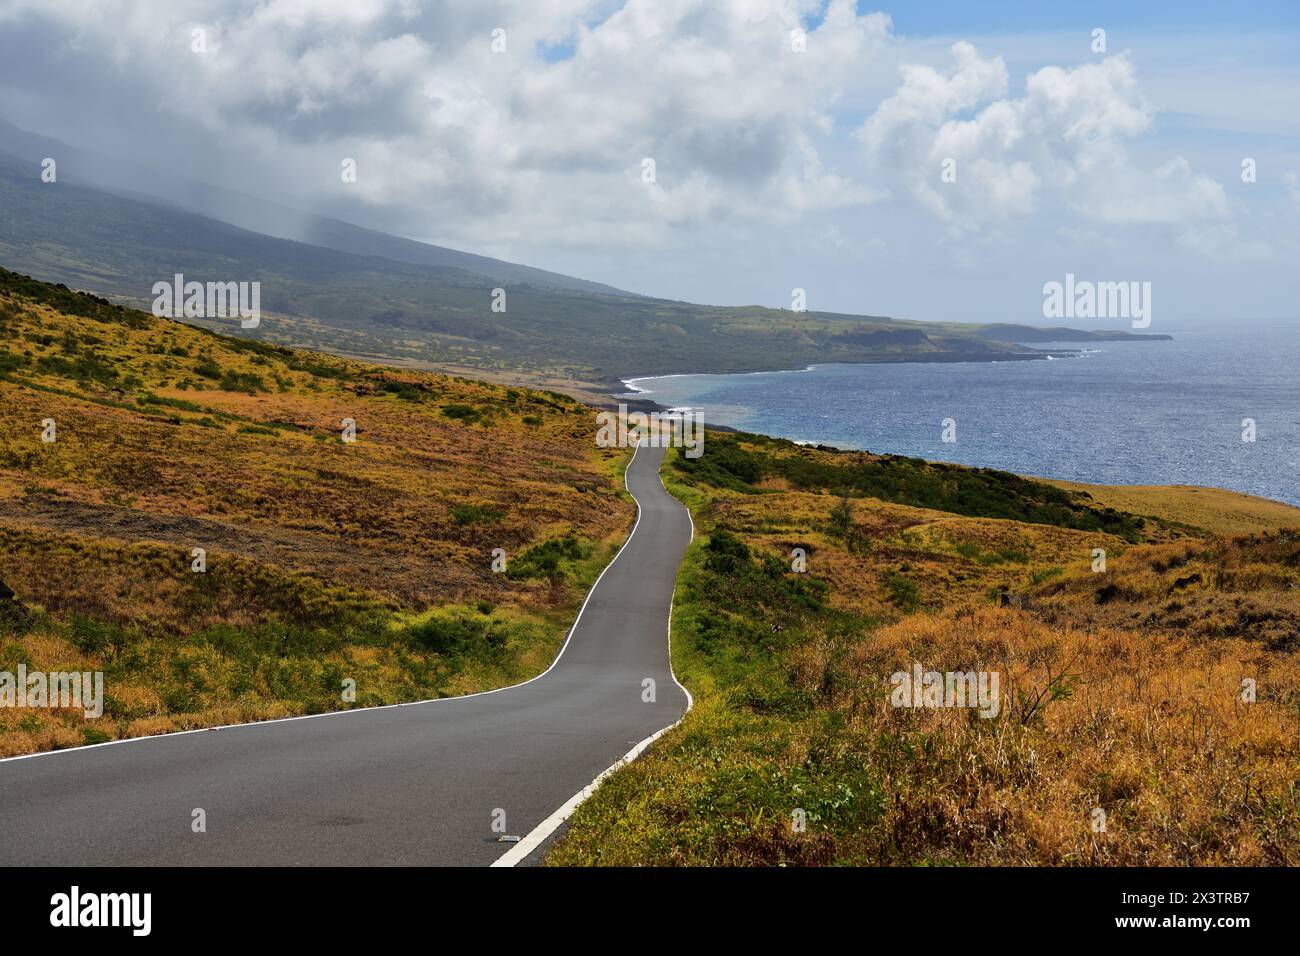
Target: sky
x=939 y=160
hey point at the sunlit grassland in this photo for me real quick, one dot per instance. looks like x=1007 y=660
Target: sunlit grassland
x=1212 y=510
x=326 y=560
x=1121 y=691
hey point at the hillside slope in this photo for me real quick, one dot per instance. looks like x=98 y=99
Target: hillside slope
x=1214 y=510
x=1147 y=712
x=83 y=167
x=386 y=300
x=325 y=559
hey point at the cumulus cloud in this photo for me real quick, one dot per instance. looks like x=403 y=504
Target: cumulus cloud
x=1062 y=142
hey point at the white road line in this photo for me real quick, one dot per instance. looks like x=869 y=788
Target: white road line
x=521 y=850
x=364 y=710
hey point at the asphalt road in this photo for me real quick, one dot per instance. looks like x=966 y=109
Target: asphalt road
x=416 y=784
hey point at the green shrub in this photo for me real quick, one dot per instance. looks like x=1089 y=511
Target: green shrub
x=841 y=519
x=725 y=553
x=87 y=367
x=462 y=413
x=546 y=560
x=476 y=514
x=457 y=636
x=97 y=637
x=206 y=368
x=242 y=382
x=406 y=391
x=148 y=398
x=902 y=591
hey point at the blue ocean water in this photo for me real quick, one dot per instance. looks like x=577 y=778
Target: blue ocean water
x=1119 y=413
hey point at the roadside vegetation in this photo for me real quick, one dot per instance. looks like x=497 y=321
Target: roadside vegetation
x=1124 y=735
x=324 y=560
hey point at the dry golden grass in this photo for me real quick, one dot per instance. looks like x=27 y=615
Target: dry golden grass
x=324 y=557
x=1209 y=509
x=1153 y=731
x=267 y=475
x=948 y=557
x=1240 y=587
x=1121 y=693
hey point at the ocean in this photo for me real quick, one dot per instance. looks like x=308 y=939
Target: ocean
x=1118 y=413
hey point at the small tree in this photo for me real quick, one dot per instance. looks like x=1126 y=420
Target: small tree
x=842 y=518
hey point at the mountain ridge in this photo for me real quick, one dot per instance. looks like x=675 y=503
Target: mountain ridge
x=257 y=214
x=437 y=313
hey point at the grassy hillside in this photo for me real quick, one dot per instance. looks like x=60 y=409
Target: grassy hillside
x=85 y=167
x=380 y=299
x=325 y=560
x=1121 y=691
x=1211 y=510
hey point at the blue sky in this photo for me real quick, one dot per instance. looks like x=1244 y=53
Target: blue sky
x=1009 y=17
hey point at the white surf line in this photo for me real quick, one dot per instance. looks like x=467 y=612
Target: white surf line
x=538 y=834
x=368 y=710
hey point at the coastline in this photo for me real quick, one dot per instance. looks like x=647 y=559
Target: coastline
x=830 y=410
x=628 y=396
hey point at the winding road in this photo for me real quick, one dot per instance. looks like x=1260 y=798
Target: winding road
x=411 y=784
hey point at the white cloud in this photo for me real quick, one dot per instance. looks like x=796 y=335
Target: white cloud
x=1222 y=242
x=1061 y=143
x=501 y=146
x=1292 y=188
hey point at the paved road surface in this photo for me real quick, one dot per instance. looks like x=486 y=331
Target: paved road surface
x=416 y=784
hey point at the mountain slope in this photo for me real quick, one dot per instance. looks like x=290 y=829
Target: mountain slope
x=82 y=167
x=431 y=312
x=325 y=559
